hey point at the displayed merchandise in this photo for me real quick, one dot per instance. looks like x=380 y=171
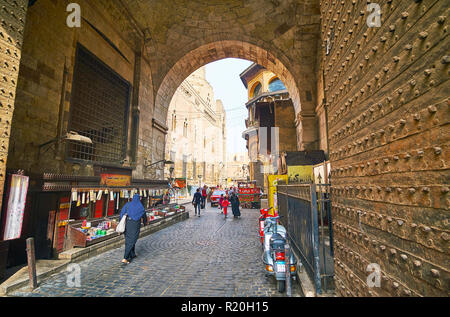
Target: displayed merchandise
x=85 y=233
x=156 y=213
x=249 y=195
x=90 y=205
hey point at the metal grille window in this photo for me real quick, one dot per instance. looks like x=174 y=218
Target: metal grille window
x=99 y=111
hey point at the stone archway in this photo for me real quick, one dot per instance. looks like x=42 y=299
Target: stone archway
x=283 y=36
x=213 y=52
x=234 y=49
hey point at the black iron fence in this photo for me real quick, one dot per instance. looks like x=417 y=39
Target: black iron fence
x=305 y=211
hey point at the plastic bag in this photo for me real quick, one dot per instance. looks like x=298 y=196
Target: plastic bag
x=121 y=226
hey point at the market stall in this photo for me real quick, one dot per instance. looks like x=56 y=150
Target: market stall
x=94 y=213
x=249 y=195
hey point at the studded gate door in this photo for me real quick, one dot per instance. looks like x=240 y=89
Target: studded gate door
x=13 y=16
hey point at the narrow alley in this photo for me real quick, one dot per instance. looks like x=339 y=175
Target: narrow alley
x=204 y=256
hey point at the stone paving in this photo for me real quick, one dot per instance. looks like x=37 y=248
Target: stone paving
x=202 y=256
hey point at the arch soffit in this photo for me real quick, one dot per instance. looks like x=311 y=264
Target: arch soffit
x=215 y=51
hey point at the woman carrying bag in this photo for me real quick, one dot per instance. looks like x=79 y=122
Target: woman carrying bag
x=134 y=211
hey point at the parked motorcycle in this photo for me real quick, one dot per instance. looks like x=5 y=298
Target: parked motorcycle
x=262 y=219
x=274 y=255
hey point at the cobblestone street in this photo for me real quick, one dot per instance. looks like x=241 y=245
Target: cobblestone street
x=206 y=256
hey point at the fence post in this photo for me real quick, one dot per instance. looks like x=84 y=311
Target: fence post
x=31 y=263
x=287 y=255
x=315 y=239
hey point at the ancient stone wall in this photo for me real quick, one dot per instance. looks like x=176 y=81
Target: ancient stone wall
x=387 y=88
x=154 y=46
x=46 y=78
x=280 y=35
x=13 y=17
x=284 y=115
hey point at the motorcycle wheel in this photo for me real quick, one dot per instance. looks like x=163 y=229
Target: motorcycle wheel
x=281 y=286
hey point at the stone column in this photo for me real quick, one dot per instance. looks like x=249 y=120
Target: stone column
x=307 y=136
x=13 y=13
x=135 y=111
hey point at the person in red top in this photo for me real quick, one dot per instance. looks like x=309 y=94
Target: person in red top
x=204 y=195
x=225 y=204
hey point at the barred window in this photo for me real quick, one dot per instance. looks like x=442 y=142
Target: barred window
x=99 y=111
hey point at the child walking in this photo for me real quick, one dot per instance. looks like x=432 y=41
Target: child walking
x=225 y=204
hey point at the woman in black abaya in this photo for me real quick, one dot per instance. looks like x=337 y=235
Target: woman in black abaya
x=134 y=211
x=235 y=205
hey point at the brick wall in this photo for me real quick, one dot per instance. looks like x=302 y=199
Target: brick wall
x=387 y=93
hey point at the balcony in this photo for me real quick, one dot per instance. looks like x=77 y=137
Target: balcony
x=251 y=123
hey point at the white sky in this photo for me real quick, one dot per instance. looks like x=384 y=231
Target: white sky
x=223 y=75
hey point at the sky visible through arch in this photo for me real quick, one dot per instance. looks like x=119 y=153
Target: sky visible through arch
x=223 y=75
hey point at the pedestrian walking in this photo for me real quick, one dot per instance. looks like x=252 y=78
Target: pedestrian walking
x=197 y=201
x=225 y=204
x=220 y=202
x=134 y=211
x=204 y=195
x=235 y=205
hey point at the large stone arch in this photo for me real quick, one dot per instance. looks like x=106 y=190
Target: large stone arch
x=208 y=53
x=283 y=36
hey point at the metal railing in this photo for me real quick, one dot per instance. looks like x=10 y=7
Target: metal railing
x=305 y=211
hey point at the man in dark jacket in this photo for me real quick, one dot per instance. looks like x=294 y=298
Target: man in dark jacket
x=196 y=201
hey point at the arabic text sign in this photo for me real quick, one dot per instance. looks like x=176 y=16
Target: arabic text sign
x=115 y=180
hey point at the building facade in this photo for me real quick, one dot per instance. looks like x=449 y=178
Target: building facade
x=237 y=168
x=196 y=139
x=270 y=124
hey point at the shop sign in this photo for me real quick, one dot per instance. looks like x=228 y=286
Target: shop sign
x=64 y=206
x=18 y=189
x=300 y=174
x=115 y=180
x=180 y=182
x=273 y=198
